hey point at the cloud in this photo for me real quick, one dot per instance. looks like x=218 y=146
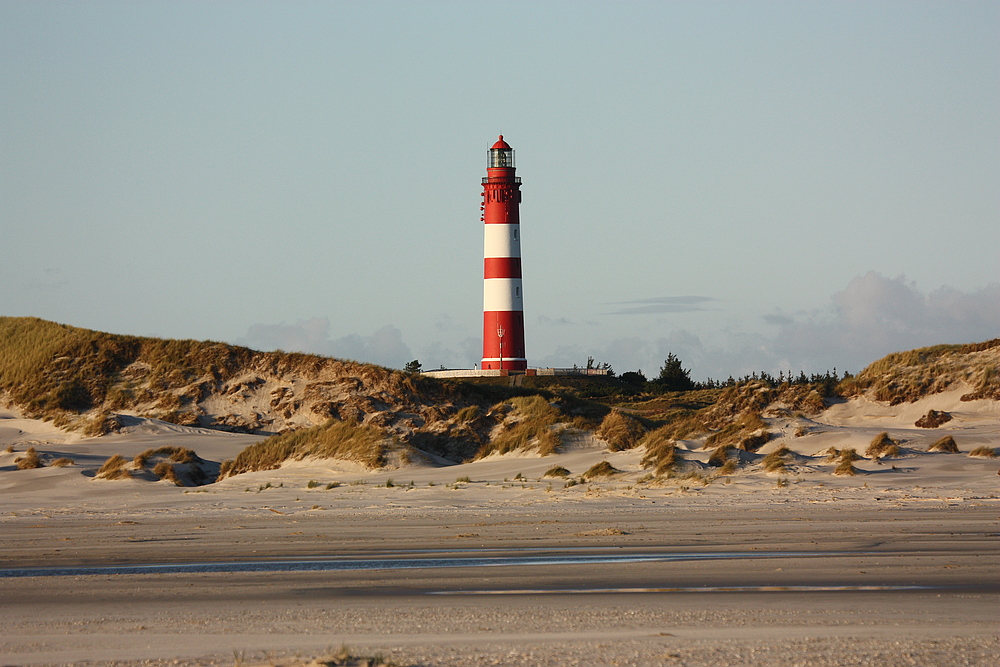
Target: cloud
x=384 y=347
x=871 y=317
x=662 y=304
x=875 y=315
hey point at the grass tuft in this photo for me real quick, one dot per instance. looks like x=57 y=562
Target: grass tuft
x=984 y=452
x=621 y=431
x=529 y=419
x=944 y=444
x=556 y=471
x=776 y=460
x=333 y=440
x=62 y=462
x=845 y=469
x=661 y=450
x=29 y=461
x=116 y=467
x=165 y=470
x=602 y=469
x=729 y=467
x=882 y=446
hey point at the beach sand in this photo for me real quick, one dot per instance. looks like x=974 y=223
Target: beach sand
x=895 y=566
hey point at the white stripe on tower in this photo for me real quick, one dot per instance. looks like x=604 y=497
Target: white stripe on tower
x=503 y=309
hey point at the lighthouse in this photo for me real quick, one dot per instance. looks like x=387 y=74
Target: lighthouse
x=503 y=305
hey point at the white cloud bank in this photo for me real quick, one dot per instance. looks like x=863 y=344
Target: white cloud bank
x=871 y=317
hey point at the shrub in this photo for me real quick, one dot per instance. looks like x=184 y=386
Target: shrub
x=882 y=446
x=29 y=461
x=115 y=467
x=945 y=444
x=602 y=469
x=933 y=419
x=620 y=431
x=985 y=452
x=556 y=471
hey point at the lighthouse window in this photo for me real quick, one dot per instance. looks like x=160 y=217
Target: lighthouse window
x=517 y=291
x=515 y=233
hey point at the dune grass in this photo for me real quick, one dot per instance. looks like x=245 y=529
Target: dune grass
x=62 y=462
x=721 y=455
x=908 y=376
x=729 y=467
x=620 y=430
x=776 y=460
x=602 y=469
x=165 y=470
x=115 y=467
x=944 y=444
x=175 y=454
x=748 y=431
x=29 y=461
x=333 y=440
x=556 y=471
x=984 y=452
x=882 y=446
x=661 y=450
x=529 y=420
x=845 y=469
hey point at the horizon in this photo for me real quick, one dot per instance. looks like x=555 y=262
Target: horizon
x=750 y=186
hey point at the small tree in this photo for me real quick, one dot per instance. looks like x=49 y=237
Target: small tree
x=412 y=366
x=673 y=376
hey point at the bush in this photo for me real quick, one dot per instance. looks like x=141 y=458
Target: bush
x=933 y=419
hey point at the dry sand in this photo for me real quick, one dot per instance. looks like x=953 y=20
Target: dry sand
x=897 y=566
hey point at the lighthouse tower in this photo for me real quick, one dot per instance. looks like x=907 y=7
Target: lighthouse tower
x=503 y=309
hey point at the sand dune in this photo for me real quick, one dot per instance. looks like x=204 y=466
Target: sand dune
x=919 y=519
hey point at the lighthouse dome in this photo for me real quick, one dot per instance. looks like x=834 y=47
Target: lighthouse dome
x=501 y=144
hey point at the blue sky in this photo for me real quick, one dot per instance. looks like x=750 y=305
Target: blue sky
x=753 y=186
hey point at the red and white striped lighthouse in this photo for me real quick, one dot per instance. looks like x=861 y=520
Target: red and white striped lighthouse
x=503 y=305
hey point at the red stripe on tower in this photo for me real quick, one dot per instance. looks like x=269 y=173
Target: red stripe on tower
x=503 y=311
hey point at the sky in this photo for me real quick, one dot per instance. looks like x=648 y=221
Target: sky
x=749 y=185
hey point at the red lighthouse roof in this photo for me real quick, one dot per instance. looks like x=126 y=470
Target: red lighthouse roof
x=501 y=144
